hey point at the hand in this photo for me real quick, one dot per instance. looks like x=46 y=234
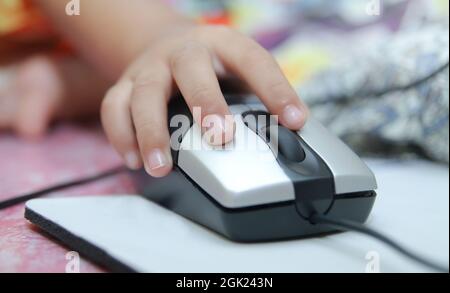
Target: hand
x=29 y=96
x=134 y=111
x=40 y=89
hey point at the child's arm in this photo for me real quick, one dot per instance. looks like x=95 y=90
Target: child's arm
x=153 y=49
x=111 y=33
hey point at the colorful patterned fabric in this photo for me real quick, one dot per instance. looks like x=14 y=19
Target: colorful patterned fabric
x=391 y=100
x=378 y=81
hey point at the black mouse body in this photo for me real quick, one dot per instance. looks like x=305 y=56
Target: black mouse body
x=258 y=188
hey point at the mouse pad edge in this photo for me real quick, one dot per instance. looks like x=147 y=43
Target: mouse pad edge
x=70 y=240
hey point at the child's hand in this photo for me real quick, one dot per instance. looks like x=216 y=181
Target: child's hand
x=134 y=111
x=40 y=89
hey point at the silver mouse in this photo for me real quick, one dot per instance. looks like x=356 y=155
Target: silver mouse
x=258 y=188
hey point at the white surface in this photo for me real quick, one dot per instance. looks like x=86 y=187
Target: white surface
x=412 y=207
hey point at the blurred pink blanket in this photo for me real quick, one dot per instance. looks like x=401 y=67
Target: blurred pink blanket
x=67 y=153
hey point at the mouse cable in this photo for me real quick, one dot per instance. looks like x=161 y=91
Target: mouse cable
x=346 y=225
x=35 y=194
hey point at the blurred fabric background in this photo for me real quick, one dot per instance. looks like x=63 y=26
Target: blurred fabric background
x=374 y=71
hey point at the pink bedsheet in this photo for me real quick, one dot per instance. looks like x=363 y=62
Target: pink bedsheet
x=68 y=152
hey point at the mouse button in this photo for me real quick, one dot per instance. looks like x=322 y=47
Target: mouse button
x=258 y=120
x=285 y=142
x=237 y=178
x=238 y=109
x=257 y=107
x=244 y=174
x=350 y=173
x=310 y=166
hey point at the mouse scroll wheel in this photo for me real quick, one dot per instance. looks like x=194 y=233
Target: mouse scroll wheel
x=289 y=145
x=257 y=120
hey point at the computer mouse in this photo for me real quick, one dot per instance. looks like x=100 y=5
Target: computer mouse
x=265 y=184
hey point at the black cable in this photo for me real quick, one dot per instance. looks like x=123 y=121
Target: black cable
x=346 y=225
x=23 y=198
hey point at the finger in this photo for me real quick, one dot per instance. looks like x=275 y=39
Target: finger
x=151 y=91
x=116 y=120
x=261 y=71
x=38 y=88
x=193 y=70
x=34 y=114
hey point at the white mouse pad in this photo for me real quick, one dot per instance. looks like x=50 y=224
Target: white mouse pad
x=130 y=233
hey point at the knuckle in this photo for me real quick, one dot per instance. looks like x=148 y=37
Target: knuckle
x=144 y=127
x=208 y=33
x=254 y=60
x=215 y=30
x=255 y=56
x=282 y=96
x=201 y=93
x=188 y=50
x=223 y=30
x=144 y=83
x=216 y=106
x=279 y=87
x=150 y=135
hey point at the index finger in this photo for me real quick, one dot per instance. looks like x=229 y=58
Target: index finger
x=260 y=70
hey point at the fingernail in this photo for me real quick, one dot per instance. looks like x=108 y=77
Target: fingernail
x=132 y=160
x=220 y=130
x=293 y=117
x=157 y=160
